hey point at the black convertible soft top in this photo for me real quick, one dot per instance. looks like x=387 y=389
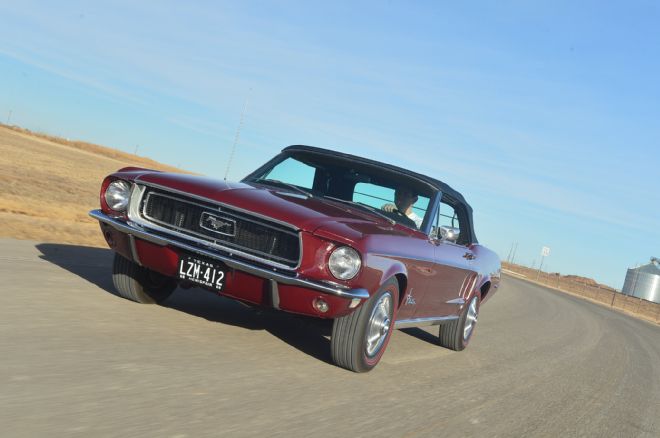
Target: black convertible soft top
x=449 y=195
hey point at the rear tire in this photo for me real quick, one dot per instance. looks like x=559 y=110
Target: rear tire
x=359 y=339
x=456 y=335
x=139 y=284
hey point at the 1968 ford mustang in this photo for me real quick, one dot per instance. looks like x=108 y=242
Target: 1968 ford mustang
x=311 y=232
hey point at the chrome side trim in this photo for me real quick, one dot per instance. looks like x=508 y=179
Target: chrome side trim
x=148 y=235
x=421 y=322
x=134 y=253
x=460 y=301
x=135 y=218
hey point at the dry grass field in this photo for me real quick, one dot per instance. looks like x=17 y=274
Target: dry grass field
x=48 y=184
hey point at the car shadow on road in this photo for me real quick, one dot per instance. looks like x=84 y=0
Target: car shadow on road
x=420 y=334
x=89 y=263
x=307 y=335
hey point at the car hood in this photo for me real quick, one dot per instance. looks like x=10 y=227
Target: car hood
x=312 y=214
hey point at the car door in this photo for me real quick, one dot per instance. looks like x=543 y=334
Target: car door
x=418 y=254
x=454 y=268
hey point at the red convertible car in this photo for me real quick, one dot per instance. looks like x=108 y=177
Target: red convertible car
x=372 y=246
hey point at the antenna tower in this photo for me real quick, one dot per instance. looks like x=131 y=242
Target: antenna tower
x=238 y=134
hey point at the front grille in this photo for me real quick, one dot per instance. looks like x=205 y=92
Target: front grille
x=223 y=226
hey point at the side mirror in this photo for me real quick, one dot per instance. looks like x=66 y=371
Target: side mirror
x=449 y=233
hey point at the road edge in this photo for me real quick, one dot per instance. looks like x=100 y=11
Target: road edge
x=585 y=298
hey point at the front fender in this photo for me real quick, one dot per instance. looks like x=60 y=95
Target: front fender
x=379 y=269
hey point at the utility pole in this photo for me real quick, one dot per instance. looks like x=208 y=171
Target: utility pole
x=238 y=134
x=508 y=258
x=9 y=118
x=513 y=256
x=545 y=251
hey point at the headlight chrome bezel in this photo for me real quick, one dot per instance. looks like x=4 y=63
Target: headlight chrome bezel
x=344 y=263
x=118 y=195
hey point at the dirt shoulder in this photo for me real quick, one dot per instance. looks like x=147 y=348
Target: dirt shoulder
x=48 y=184
x=589 y=290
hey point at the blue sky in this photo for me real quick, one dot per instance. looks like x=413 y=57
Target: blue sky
x=545 y=116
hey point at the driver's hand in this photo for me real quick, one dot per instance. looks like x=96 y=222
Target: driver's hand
x=390 y=208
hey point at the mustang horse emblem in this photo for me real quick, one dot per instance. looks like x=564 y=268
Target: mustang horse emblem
x=218 y=225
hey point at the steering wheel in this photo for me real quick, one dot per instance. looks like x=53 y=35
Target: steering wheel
x=404 y=219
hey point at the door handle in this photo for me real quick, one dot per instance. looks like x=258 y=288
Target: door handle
x=469 y=256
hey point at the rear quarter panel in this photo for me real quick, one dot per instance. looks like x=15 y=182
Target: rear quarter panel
x=489 y=269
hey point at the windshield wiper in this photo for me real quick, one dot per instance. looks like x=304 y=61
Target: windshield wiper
x=284 y=184
x=364 y=206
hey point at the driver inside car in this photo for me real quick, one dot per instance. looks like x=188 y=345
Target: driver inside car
x=404 y=199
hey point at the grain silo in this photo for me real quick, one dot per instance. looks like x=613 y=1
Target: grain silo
x=644 y=281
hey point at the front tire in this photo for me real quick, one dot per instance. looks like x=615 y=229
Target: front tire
x=359 y=339
x=140 y=284
x=457 y=334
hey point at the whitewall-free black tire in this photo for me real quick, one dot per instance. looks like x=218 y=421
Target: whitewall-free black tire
x=360 y=338
x=139 y=284
x=456 y=335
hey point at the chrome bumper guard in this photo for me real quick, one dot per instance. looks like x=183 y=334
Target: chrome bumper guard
x=158 y=239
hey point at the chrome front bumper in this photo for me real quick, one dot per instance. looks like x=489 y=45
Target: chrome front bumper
x=162 y=240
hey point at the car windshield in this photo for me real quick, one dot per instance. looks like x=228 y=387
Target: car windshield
x=380 y=191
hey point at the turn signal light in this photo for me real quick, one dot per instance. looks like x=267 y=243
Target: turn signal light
x=321 y=305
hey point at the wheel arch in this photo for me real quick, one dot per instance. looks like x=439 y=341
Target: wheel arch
x=484 y=289
x=402 y=279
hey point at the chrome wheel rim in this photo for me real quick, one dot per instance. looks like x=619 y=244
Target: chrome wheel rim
x=470 y=319
x=379 y=324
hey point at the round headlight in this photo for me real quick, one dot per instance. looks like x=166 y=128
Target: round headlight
x=344 y=263
x=118 y=194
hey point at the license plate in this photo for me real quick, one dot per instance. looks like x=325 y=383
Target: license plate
x=201 y=271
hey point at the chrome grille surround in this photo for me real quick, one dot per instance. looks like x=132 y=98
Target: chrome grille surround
x=138 y=213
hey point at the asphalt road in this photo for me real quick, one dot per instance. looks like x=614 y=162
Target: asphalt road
x=76 y=360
